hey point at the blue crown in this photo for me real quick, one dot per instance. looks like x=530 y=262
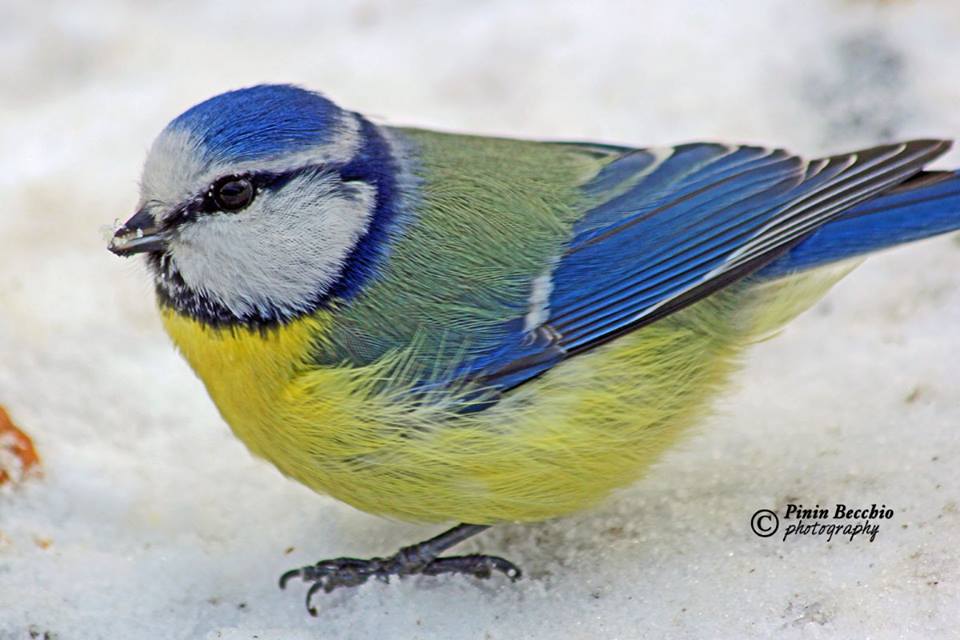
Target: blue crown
x=267 y=120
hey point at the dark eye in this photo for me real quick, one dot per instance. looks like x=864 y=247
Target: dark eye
x=233 y=193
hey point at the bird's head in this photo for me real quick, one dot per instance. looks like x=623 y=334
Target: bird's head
x=255 y=205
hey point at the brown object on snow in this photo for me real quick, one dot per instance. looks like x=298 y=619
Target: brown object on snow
x=17 y=454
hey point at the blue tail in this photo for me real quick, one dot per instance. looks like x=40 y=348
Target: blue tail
x=923 y=206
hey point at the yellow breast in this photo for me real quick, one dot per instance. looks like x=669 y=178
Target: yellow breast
x=552 y=446
x=249 y=374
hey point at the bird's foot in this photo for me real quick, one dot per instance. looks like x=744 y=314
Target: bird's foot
x=419 y=559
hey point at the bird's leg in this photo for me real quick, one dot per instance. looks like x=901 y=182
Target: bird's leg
x=421 y=558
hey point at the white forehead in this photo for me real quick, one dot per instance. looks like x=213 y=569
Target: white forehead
x=178 y=166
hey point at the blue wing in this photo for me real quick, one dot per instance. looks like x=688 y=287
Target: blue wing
x=671 y=226
x=926 y=205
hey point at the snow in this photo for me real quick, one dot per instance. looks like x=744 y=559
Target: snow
x=152 y=521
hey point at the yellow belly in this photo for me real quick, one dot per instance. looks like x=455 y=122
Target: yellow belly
x=552 y=446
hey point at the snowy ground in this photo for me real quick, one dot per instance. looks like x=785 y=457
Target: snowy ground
x=151 y=521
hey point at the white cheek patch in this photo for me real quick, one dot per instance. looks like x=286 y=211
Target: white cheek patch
x=282 y=252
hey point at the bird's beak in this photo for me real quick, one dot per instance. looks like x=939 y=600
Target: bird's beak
x=139 y=234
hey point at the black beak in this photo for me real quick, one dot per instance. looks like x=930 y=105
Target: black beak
x=139 y=234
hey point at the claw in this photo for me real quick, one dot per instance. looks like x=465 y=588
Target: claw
x=316 y=586
x=288 y=576
x=328 y=575
x=478 y=566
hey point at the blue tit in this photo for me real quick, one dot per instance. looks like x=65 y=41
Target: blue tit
x=452 y=328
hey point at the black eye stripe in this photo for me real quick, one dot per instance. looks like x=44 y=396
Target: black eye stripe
x=205 y=202
x=258 y=181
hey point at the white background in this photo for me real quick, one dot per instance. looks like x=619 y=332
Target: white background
x=161 y=525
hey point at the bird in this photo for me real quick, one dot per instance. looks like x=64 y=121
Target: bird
x=450 y=328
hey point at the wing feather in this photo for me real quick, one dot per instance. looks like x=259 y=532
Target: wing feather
x=672 y=226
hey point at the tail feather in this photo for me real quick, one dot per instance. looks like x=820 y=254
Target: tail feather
x=926 y=205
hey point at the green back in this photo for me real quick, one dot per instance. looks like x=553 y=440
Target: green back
x=489 y=214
